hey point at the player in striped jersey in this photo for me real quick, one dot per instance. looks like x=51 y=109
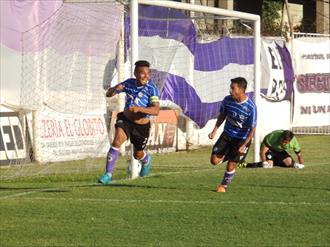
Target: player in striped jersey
x=134 y=122
x=240 y=114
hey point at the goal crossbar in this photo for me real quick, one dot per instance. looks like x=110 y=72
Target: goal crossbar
x=208 y=10
x=200 y=8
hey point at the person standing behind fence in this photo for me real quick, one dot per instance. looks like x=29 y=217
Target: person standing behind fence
x=134 y=122
x=240 y=114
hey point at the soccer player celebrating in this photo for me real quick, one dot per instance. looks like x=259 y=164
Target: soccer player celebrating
x=273 y=151
x=240 y=114
x=134 y=122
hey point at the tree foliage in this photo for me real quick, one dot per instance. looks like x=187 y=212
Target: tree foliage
x=271 y=22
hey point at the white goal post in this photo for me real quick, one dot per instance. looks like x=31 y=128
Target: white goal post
x=134 y=13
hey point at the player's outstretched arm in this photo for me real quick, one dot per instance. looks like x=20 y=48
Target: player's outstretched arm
x=263 y=151
x=300 y=158
x=153 y=109
x=114 y=90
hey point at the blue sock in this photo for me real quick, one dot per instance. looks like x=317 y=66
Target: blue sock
x=112 y=156
x=145 y=158
x=228 y=176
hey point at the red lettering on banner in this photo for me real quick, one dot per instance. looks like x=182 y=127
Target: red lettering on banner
x=314 y=83
x=52 y=128
x=60 y=130
x=101 y=126
x=85 y=127
x=89 y=127
x=68 y=129
x=77 y=127
x=71 y=127
x=43 y=134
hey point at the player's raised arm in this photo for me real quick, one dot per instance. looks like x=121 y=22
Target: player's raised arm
x=115 y=90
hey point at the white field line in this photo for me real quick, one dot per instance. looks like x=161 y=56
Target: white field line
x=20 y=194
x=97 y=200
x=119 y=181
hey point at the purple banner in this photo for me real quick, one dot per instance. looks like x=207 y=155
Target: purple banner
x=173 y=24
x=32 y=26
x=20 y=16
x=177 y=90
x=288 y=70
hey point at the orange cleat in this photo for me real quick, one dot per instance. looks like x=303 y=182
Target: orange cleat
x=220 y=188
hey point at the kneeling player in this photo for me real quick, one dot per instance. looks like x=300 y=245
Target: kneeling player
x=273 y=151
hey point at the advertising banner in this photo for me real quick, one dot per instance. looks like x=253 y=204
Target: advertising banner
x=163 y=133
x=277 y=72
x=312 y=87
x=61 y=137
x=13 y=146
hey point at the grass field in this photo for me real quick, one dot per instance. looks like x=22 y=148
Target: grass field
x=175 y=206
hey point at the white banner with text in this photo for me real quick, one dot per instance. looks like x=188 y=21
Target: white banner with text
x=312 y=86
x=61 y=137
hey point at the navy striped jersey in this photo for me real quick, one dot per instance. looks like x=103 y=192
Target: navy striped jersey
x=240 y=116
x=142 y=96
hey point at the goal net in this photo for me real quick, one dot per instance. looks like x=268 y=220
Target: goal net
x=69 y=60
x=194 y=52
x=66 y=61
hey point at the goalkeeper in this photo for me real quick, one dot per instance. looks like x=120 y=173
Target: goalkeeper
x=240 y=114
x=273 y=151
x=134 y=122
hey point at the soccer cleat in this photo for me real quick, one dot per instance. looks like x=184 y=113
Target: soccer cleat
x=242 y=164
x=220 y=188
x=146 y=167
x=105 y=179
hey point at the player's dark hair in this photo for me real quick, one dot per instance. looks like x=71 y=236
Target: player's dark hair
x=142 y=63
x=287 y=135
x=240 y=81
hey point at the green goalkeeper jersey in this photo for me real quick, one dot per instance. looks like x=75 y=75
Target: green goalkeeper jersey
x=273 y=142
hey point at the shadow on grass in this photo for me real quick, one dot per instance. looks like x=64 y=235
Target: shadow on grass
x=158 y=187
x=36 y=189
x=141 y=186
x=96 y=185
x=285 y=187
x=19 y=188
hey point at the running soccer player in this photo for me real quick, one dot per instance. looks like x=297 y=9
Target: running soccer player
x=273 y=151
x=240 y=114
x=134 y=122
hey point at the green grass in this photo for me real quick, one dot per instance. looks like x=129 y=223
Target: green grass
x=175 y=206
